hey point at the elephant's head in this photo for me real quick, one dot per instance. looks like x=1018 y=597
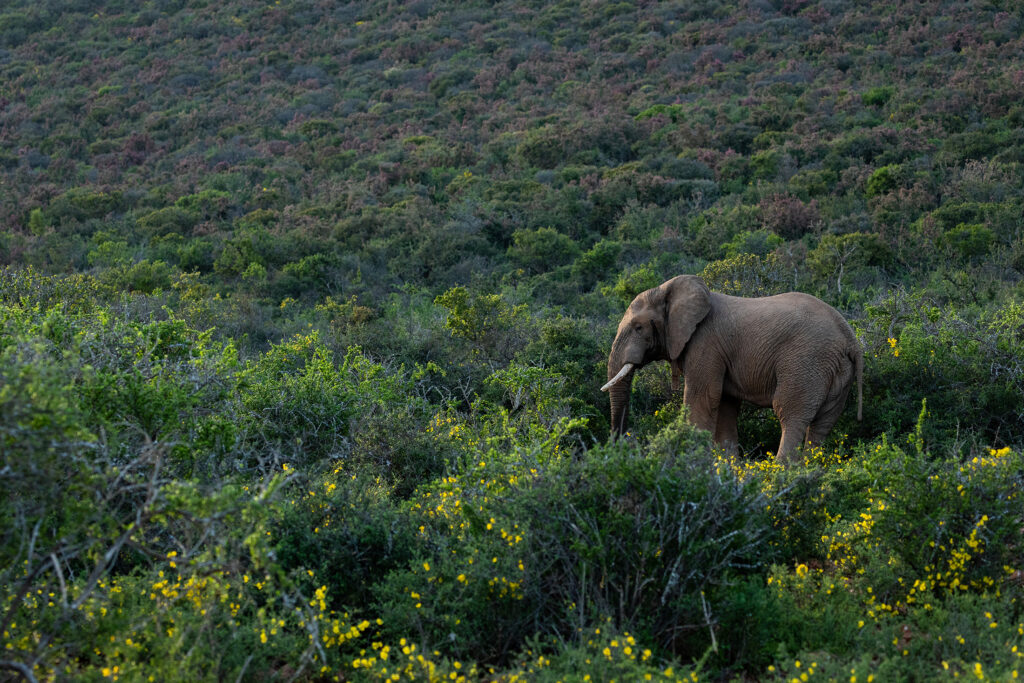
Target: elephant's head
x=656 y=326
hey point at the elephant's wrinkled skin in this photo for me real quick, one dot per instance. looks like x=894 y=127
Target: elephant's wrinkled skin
x=792 y=352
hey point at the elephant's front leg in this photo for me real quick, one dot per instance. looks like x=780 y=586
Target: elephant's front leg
x=677 y=373
x=702 y=400
x=727 y=433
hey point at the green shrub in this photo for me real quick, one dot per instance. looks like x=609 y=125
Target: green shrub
x=145 y=276
x=317 y=128
x=346 y=530
x=95 y=412
x=601 y=654
x=965 y=366
x=905 y=538
x=765 y=164
x=440 y=86
x=134 y=383
x=487 y=321
x=715 y=227
x=966 y=636
x=541 y=250
x=878 y=96
x=298 y=405
x=950 y=525
x=207 y=205
x=310 y=277
x=757 y=242
x=249 y=245
x=597 y=263
x=746 y=275
x=178 y=582
x=544 y=148
x=883 y=181
x=813 y=183
x=83 y=203
x=109 y=254
x=954 y=213
x=638 y=536
x=38 y=223
x=448 y=253
x=838 y=256
x=567 y=347
x=672 y=111
x=734 y=172
x=968 y=242
x=168 y=219
x=631 y=282
x=190 y=255
x=606 y=141
x=466 y=602
x=297 y=399
x=632 y=221
x=345 y=314
x=74 y=294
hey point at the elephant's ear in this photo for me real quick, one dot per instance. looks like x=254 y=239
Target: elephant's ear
x=687 y=301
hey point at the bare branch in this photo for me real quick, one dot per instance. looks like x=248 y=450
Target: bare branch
x=18 y=667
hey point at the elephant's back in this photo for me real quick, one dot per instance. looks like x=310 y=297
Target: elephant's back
x=803 y=311
x=792 y=328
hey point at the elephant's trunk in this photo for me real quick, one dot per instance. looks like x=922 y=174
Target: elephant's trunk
x=625 y=357
x=619 y=396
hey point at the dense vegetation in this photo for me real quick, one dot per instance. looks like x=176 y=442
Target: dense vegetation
x=305 y=307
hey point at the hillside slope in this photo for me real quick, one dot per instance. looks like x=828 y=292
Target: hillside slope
x=415 y=140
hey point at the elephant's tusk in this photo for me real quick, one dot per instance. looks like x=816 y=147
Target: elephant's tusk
x=617 y=378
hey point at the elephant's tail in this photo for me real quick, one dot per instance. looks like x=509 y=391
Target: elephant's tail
x=857 y=356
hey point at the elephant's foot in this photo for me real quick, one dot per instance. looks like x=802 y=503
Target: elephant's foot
x=790 y=447
x=728 y=448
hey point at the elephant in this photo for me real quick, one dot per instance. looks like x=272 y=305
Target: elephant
x=792 y=352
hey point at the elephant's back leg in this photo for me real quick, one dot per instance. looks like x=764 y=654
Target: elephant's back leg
x=792 y=439
x=727 y=432
x=797 y=403
x=832 y=407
